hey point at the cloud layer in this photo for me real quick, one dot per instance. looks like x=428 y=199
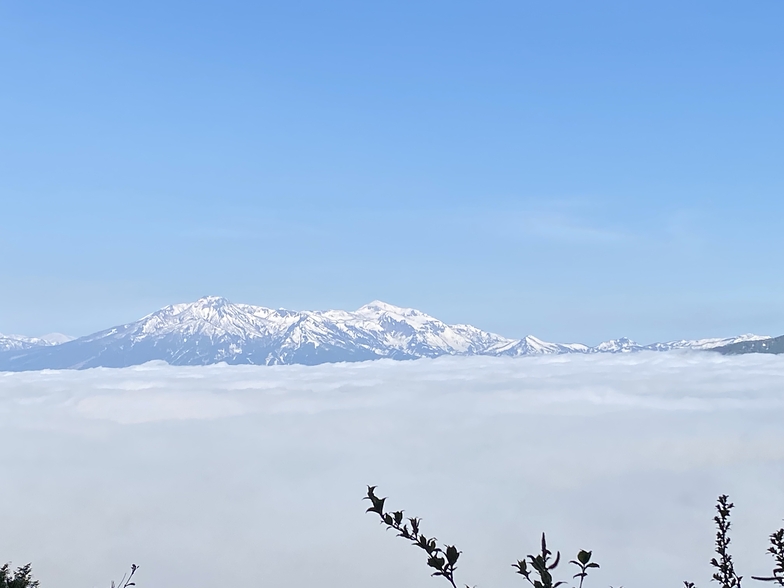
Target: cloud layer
x=218 y=474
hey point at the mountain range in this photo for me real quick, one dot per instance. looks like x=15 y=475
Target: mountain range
x=213 y=330
x=17 y=342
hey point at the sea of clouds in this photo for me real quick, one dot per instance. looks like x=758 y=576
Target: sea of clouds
x=253 y=476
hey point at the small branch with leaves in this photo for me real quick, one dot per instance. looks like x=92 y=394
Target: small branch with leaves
x=442 y=559
x=584 y=563
x=776 y=549
x=725 y=570
x=125 y=582
x=537 y=569
x=539 y=574
x=541 y=566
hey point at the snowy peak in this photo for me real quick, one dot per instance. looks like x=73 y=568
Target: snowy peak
x=211 y=316
x=532 y=346
x=378 y=306
x=56 y=338
x=622 y=345
x=211 y=301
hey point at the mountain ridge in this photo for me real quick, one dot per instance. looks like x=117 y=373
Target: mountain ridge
x=213 y=329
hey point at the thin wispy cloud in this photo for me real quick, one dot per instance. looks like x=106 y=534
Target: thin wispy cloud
x=568 y=229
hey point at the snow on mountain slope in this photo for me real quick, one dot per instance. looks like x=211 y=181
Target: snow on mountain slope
x=769 y=345
x=622 y=345
x=701 y=344
x=213 y=330
x=532 y=346
x=416 y=333
x=19 y=342
x=56 y=338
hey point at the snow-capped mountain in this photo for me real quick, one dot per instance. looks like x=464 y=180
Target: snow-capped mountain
x=213 y=330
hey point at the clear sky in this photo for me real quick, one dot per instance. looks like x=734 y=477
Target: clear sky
x=573 y=170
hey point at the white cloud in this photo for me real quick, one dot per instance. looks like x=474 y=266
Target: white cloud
x=240 y=475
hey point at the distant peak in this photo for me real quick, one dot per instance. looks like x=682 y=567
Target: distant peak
x=622 y=343
x=56 y=338
x=212 y=301
x=380 y=306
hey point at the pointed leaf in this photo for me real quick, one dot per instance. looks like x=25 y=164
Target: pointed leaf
x=584 y=556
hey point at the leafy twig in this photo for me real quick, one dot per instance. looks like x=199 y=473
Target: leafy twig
x=541 y=565
x=776 y=549
x=725 y=569
x=442 y=560
x=125 y=583
x=584 y=563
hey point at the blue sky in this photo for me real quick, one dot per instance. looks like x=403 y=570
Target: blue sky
x=573 y=170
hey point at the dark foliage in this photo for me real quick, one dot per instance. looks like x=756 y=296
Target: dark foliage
x=442 y=559
x=539 y=574
x=125 y=581
x=776 y=549
x=725 y=570
x=583 y=562
x=536 y=569
x=21 y=578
